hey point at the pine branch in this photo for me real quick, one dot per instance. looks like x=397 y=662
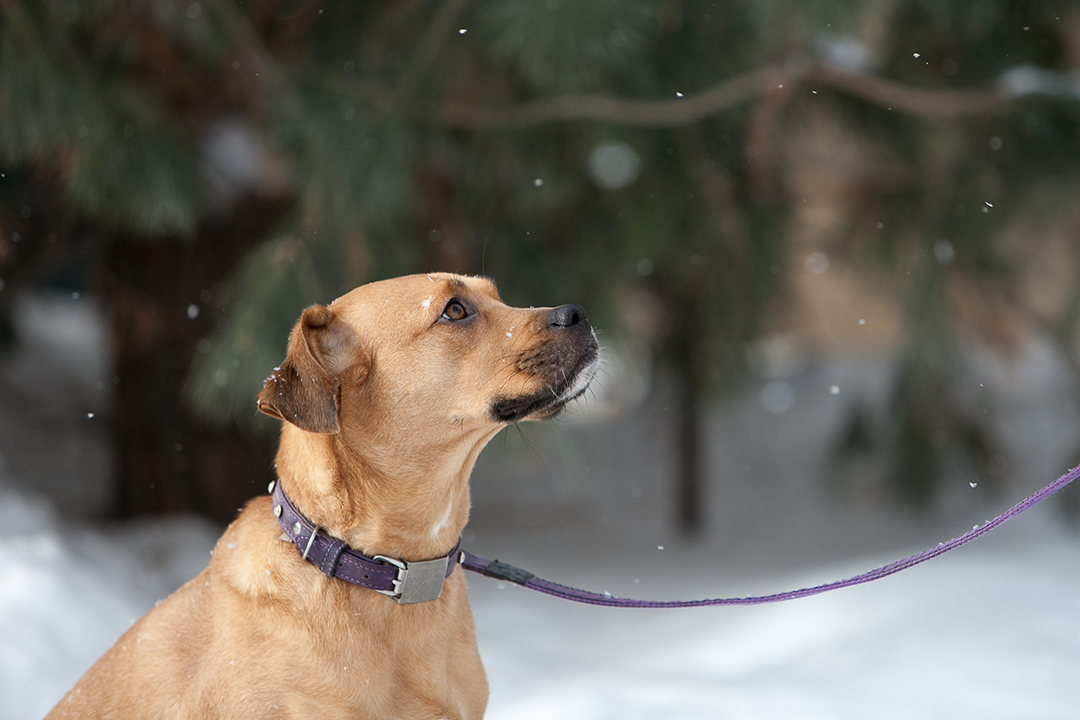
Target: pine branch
x=726 y=96
x=636 y=113
x=909 y=100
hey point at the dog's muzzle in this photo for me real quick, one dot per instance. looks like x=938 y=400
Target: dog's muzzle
x=564 y=362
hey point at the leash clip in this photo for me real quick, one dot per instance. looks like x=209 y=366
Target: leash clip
x=416 y=581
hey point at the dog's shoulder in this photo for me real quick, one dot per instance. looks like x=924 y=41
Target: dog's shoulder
x=251 y=559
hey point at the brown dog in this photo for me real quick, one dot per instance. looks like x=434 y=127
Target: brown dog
x=389 y=394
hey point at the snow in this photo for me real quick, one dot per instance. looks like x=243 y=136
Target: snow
x=978 y=635
x=66 y=595
x=988 y=631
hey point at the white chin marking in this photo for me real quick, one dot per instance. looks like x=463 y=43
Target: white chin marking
x=581 y=382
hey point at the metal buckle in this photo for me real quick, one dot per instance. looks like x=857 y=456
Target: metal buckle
x=416 y=581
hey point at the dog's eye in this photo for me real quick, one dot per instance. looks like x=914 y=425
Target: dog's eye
x=455 y=311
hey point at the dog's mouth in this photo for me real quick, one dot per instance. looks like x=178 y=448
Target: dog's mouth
x=547 y=402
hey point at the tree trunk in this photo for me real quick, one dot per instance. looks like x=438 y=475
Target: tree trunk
x=689 y=490
x=161 y=302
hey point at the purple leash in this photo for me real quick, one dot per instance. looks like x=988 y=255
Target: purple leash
x=502 y=571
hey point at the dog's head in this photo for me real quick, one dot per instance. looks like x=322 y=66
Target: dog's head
x=430 y=351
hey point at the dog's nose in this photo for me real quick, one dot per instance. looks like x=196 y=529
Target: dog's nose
x=568 y=316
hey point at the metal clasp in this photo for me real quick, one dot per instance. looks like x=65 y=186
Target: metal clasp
x=416 y=581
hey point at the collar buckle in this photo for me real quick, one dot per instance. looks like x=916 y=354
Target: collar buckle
x=416 y=581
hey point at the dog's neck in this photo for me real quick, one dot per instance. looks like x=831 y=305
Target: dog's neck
x=414 y=510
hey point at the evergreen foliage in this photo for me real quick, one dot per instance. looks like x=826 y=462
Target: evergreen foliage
x=387 y=132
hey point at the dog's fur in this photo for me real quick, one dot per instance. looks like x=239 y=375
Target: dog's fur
x=389 y=394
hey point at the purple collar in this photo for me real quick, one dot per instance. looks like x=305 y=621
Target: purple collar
x=406 y=582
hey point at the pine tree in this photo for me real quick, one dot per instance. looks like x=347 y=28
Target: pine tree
x=217 y=165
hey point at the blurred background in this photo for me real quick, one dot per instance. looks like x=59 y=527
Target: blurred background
x=831 y=245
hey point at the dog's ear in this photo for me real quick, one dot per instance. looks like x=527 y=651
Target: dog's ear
x=306 y=389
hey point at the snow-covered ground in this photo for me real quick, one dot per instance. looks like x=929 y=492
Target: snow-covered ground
x=990 y=631
x=67 y=594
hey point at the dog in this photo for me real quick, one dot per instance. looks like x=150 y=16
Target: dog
x=387 y=396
